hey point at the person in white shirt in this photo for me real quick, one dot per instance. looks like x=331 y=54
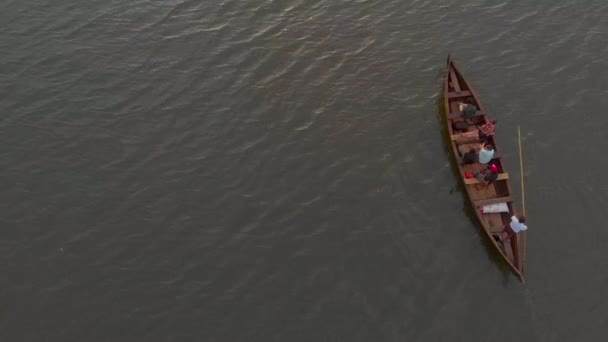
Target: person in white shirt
x=482 y=154
x=517 y=224
x=486 y=154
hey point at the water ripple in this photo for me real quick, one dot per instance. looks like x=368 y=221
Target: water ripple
x=256 y=169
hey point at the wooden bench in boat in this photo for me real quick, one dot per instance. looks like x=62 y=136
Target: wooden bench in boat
x=452 y=116
x=488 y=201
x=457 y=94
x=460 y=139
x=501 y=176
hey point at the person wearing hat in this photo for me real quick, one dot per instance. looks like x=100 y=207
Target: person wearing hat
x=488 y=175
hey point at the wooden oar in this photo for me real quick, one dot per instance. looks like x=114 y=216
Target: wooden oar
x=523 y=196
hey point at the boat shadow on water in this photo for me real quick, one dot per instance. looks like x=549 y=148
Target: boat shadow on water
x=468 y=209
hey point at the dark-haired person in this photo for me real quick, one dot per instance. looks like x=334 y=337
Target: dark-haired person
x=469 y=157
x=467 y=110
x=482 y=154
x=488 y=175
x=486 y=154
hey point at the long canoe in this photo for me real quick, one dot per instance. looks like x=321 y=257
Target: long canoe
x=482 y=197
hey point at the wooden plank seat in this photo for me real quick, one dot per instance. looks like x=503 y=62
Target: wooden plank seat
x=487 y=201
x=469 y=140
x=461 y=140
x=458 y=137
x=457 y=94
x=501 y=176
x=453 y=116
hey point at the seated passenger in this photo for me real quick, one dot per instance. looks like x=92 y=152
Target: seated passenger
x=486 y=154
x=467 y=110
x=487 y=130
x=488 y=175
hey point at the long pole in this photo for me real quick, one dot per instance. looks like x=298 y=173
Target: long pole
x=523 y=195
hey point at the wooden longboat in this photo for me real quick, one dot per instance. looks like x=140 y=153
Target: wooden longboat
x=457 y=90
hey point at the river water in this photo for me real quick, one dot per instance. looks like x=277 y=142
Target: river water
x=277 y=170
